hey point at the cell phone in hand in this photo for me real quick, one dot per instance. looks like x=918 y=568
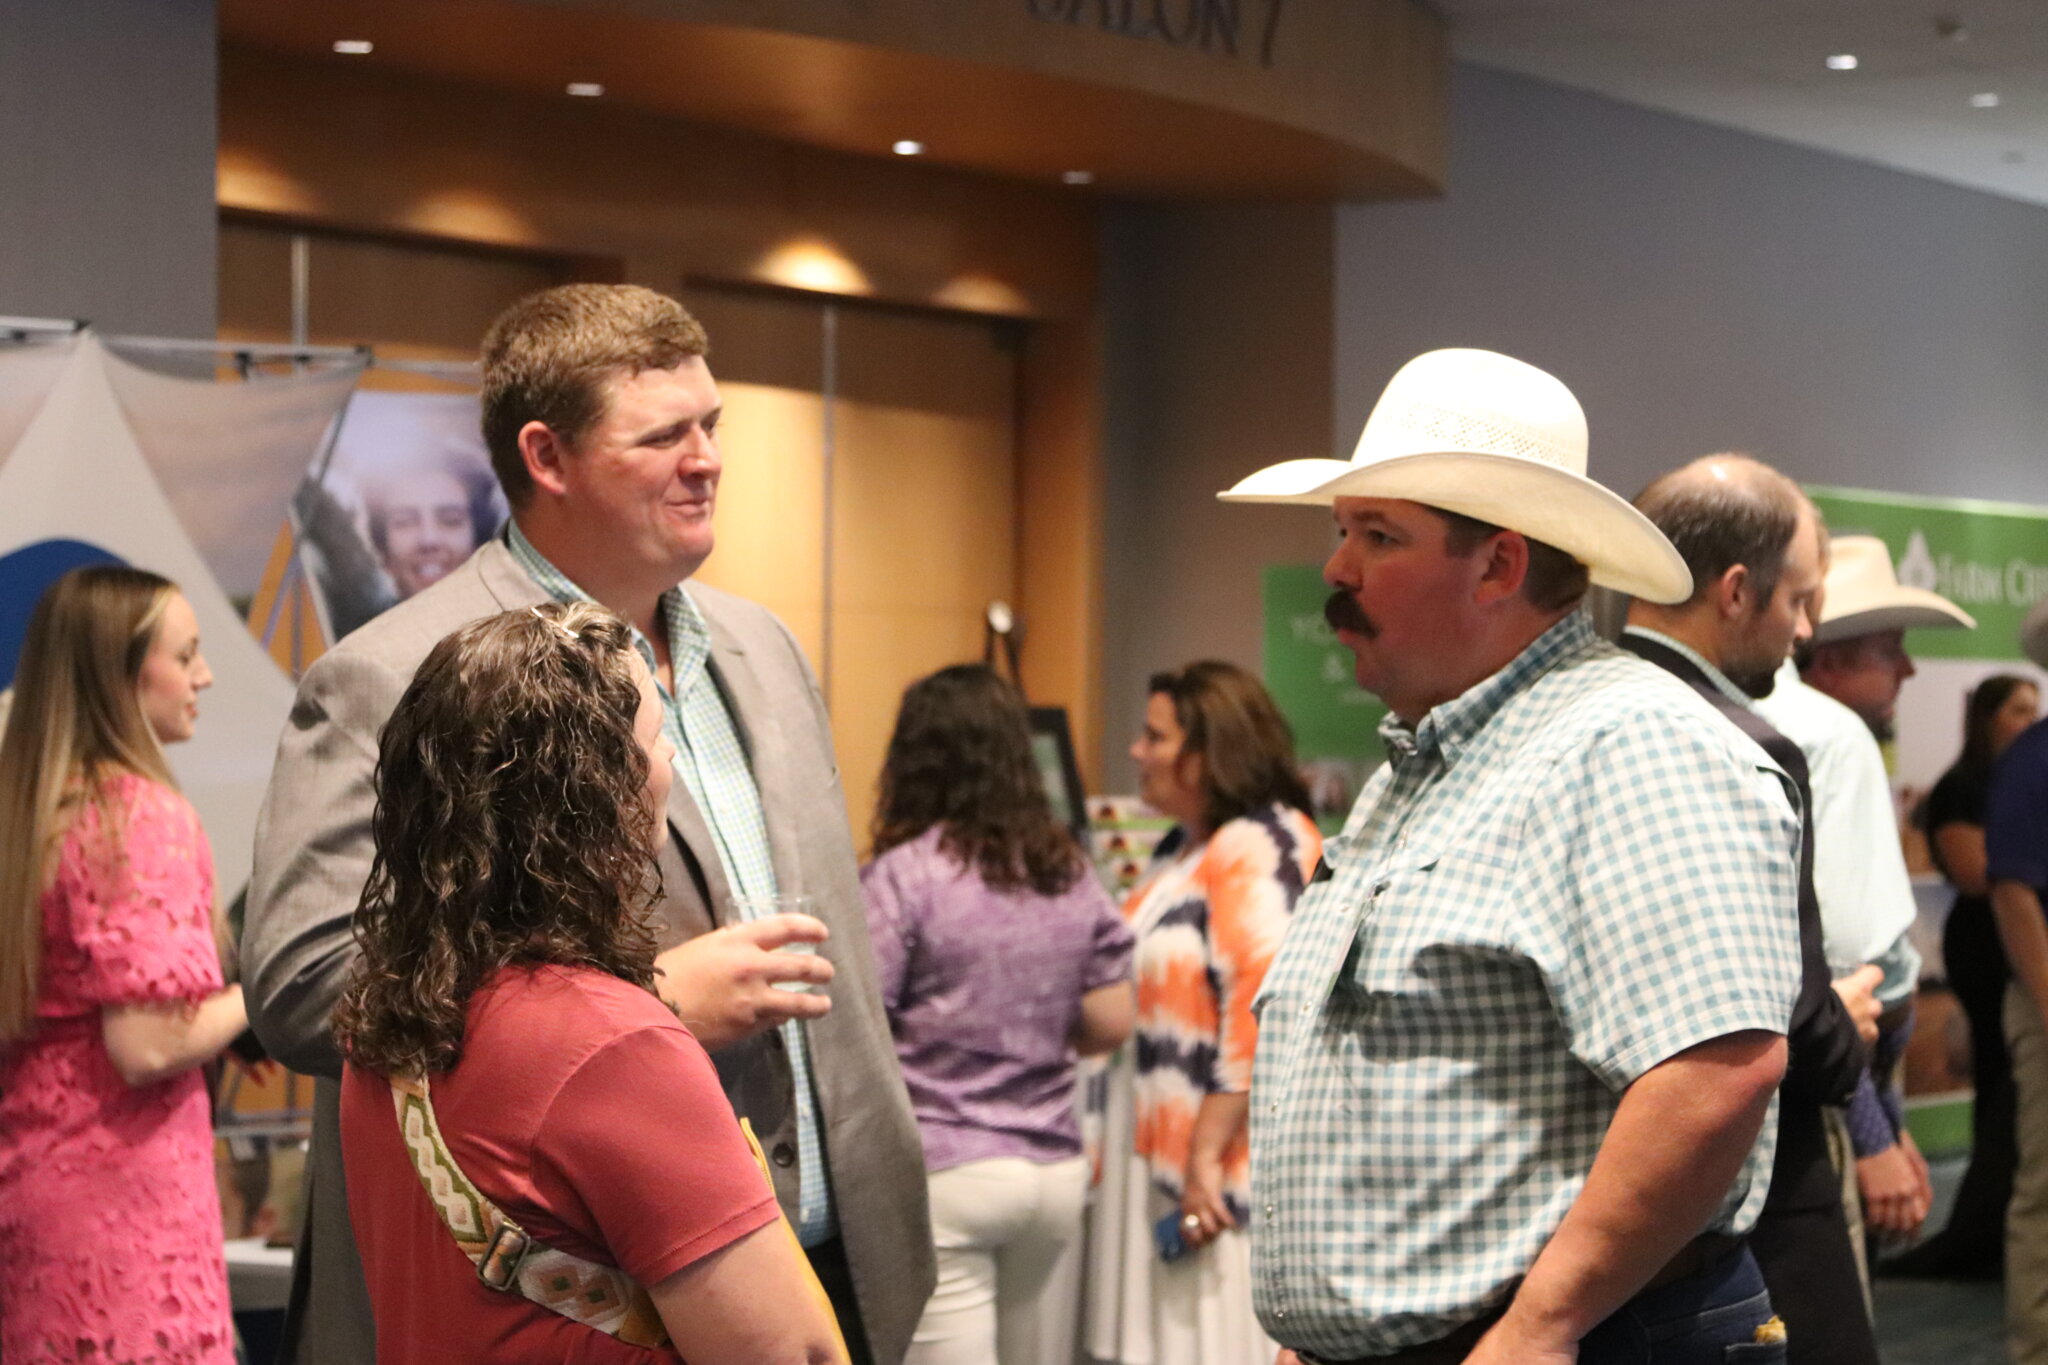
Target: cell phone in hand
x=1169 y=1238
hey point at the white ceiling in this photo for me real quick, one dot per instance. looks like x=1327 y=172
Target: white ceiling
x=1761 y=66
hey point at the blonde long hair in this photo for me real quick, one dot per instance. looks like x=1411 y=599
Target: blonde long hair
x=76 y=721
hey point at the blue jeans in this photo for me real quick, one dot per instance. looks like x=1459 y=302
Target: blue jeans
x=1710 y=1318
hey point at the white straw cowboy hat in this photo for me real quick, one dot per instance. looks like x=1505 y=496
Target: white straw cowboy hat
x=1489 y=437
x=1864 y=596
x=2034 y=633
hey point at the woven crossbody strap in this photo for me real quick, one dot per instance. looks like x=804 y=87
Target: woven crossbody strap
x=506 y=1258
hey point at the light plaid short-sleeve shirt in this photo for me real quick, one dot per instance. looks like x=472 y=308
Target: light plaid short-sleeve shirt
x=1563 y=877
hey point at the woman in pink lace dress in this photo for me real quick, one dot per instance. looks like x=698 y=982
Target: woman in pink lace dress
x=110 y=991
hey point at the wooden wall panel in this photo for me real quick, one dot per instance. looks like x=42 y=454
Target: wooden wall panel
x=767 y=354
x=612 y=193
x=924 y=522
x=377 y=151
x=407 y=299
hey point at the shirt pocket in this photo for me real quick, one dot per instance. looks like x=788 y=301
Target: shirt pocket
x=1440 y=939
x=1393 y=924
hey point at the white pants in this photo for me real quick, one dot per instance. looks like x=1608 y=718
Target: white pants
x=1008 y=1237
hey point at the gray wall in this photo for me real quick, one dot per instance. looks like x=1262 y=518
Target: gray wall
x=1701 y=289
x=106 y=163
x=1218 y=334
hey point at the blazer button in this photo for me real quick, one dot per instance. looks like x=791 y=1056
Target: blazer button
x=784 y=1155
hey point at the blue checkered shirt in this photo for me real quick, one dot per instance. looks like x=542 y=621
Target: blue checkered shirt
x=1561 y=878
x=712 y=761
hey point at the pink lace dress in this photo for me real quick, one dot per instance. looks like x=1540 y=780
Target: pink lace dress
x=110 y=1231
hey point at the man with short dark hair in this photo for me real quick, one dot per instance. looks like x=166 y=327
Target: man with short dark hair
x=1754 y=545
x=601 y=415
x=1518 y=1050
x=2016 y=865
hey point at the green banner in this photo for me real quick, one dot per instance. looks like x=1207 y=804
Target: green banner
x=1336 y=722
x=1989 y=558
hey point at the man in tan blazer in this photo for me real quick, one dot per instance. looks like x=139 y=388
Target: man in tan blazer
x=600 y=414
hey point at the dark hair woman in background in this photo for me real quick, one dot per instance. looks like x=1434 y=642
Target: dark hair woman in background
x=111 y=994
x=1973 y=1244
x=506 y=1049
x=1218 y=758
x=1000 y=957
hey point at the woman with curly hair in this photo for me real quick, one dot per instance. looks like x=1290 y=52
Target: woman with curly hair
x=111 y=996
x=1170 y=1261
x=541 y=1164
x=1000 y=959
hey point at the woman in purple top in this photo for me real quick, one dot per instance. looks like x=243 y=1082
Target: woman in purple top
x=1000 y=961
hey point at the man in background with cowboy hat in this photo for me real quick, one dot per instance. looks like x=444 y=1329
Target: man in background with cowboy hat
x=1858 y=655
x=1518 y=1051
x=1756 y=549
x=1836 y=704
x=2016 y=865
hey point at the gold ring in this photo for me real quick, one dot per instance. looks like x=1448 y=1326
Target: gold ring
x=1191 y=1222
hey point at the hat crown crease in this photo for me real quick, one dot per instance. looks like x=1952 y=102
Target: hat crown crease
x=1430 y=426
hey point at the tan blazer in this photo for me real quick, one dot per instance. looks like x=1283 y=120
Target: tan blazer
x=313 y=850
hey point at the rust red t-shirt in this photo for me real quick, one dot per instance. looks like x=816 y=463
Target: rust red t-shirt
x=593 y=1118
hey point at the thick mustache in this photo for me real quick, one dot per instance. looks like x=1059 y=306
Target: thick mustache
x=1343 y=613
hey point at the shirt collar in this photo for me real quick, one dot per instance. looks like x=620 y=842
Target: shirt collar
x=1450 y=727
x=689 y=638
x=1697 y=660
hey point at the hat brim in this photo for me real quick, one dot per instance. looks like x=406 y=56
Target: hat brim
x=1902 y=608
x=1619 y=546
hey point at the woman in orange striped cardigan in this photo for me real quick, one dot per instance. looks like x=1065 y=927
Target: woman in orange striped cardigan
x=1217 y=757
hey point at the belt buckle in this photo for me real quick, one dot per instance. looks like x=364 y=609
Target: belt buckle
x=498 y=1267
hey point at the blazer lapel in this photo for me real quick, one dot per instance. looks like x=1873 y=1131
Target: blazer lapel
x=762 y=735
x=503 y=579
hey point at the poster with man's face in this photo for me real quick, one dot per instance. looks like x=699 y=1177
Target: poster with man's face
x=405 y=497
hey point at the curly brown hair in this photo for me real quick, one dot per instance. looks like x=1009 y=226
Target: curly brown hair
x=512 y=828
x=960 y=758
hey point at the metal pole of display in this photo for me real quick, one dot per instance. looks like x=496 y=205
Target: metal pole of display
x=22 y=330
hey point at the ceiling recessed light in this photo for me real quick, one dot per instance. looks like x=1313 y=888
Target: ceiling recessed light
x=355 y=47
x=1987 y=100
x=1077 y=178
x=907 y=146
x=1842 y=61
x=588 y=90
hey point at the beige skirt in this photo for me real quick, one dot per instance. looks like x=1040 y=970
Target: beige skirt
x=1138 y=1309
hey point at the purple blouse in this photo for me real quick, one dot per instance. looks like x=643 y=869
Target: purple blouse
x=983 y=988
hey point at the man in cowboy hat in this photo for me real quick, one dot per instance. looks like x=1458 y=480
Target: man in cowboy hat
x=1755 y=546
x=1836 y=704
x=1858 y=655
x=1518 y=1051
x=2016 y=865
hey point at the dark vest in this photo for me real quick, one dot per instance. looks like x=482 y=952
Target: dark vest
x=1827 y=1055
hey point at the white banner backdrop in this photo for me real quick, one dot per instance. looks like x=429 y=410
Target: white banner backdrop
x=26 y=374
x=229 y=455
x=77 y=474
